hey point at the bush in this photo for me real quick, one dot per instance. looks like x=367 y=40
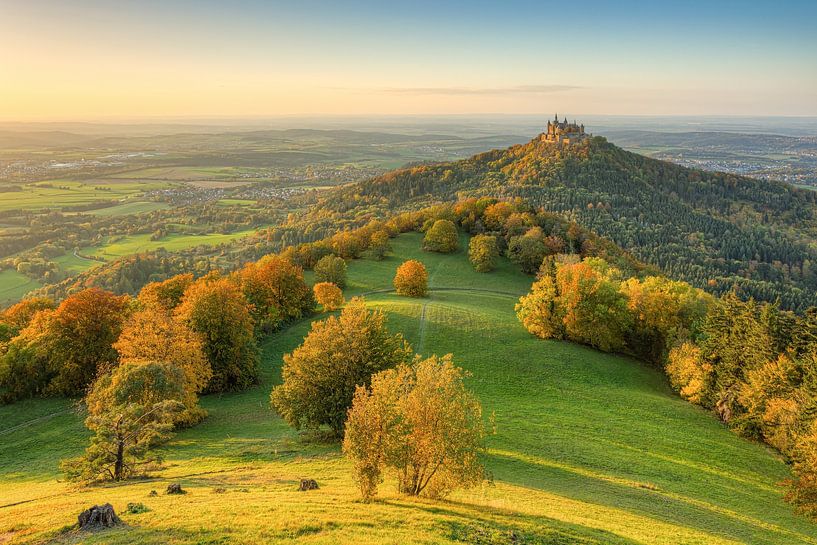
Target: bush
x=411 y=279
x=483 y=252
x=328 y=295
x=441 y=237
x=420 y=421
x=332 y=269
x=338 y=354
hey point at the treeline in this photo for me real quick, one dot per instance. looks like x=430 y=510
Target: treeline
x=713 y=230
x=751 y=363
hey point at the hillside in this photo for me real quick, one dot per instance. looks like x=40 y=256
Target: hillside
x=714 y=230
x=589 y=448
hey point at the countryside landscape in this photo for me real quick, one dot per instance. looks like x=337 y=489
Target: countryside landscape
x=408 y=273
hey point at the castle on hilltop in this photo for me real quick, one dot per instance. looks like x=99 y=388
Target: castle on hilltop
x=562 y=132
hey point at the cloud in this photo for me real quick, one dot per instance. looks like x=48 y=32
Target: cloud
x=493 y=91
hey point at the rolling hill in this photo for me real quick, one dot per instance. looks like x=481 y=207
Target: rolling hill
x=589 y=448
x=714 y=230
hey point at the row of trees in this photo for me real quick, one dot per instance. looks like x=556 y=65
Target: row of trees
x=751 y=363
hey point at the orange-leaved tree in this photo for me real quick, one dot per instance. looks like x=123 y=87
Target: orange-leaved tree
x=411 y=279
x=328 y=295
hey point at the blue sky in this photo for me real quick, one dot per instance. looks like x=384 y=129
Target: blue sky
x=87 y=59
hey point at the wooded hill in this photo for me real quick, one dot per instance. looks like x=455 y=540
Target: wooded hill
x=714 y=230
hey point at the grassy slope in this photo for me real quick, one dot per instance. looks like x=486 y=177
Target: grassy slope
x=134 y=244
x=590 y=448
x=14 y=286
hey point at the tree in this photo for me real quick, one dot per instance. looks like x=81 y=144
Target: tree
x=338 y=354
x=328 y=295
x=275 y=288
x=688 y=373
x=154 y=335
x=19 y=315
x=419 y=421
x=219 y=313
x=331 y=269
x=483 y=251
x=78 y=338
x=539 y=311
x=165 y=295
x=496 y=214
x=379 y=245
x=411 y=279
x=528 y=250
x=132 y=410
x=441 y=237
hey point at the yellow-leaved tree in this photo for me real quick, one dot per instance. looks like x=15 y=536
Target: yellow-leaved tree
x=419 y=421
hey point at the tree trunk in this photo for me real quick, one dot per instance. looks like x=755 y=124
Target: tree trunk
x=120 y=460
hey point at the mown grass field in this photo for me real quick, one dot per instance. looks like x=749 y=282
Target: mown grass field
x=124 y=209
x=589 y=448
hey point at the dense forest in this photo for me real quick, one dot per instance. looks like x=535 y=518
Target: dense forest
x=714 y=230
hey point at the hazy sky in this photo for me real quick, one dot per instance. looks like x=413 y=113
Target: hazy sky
x=85 y=59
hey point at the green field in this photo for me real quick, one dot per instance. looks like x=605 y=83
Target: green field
x=124 y=209
x=62 y=193
x=14 y=285
x=589 y=448
x=134 y=244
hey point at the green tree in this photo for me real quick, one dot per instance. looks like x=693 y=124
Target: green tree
x=528 y=250
x=132 y=410
x=220 y=314
x=483 y=251
x=442 y=237
x=338 y=354
x=332 y=269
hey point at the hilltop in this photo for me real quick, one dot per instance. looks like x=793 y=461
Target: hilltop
x=714 y=230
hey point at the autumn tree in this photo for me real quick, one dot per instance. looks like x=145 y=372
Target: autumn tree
x=496 y=214
x=483 y=251
x=338 y=354
x=276 y=291
x=77 y=338
x=219 y=313
x=19 y=315
x=411 y=279
x=131 y=411
x=689 y=374
x=331 y=269
x=540 y=311
x=165 y=295
x=379 y=244
x=441 y=237
x=419 y=421
x=328 y=295
x=154 y=335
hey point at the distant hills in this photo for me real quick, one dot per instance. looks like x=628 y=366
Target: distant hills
x=712 y=229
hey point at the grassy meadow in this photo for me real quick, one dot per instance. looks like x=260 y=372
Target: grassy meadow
x=134 y=244
x=589 y=448
x=14 y=286
x=62 y=193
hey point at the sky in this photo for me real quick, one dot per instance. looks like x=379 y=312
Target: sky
x=93 y=60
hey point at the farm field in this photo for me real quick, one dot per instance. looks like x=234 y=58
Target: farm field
x=589 y=448
x=124 y=209
x=62 y=193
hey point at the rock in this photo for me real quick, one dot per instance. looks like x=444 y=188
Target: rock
x=98 y=516
x=308 y=484
x=175 y=488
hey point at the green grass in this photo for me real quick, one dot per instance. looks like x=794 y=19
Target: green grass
x=72 y=264
x=124 y=209
x=14 y=285
x=133 y=244
x=61 y=193
x=589 y=448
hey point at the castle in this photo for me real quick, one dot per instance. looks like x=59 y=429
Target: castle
x=563 y=132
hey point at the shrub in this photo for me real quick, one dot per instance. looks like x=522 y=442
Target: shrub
x=332 y=269
x=328 y=295
x=338 y=354
x=420 y=421
x=441 y=237
x=483 y=252
x=411 y=279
